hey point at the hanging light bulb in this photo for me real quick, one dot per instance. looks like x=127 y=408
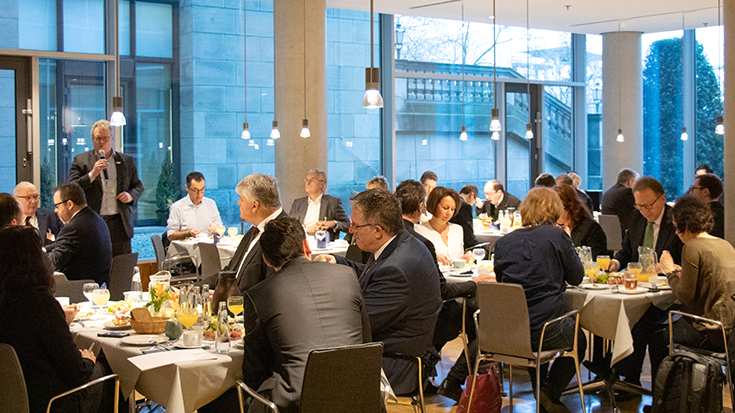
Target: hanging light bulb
x=245 y=131
x=496 y=136
x=529 y=132
x=720 y=129
x=372 y=98
x=463 y=135
x=117 y=118
x=620 y=137
x=495 y=124
x=305 y=132
x=275 y=134
x=684 y=134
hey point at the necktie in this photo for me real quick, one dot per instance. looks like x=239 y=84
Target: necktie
x=28 y=222
x=648 y=236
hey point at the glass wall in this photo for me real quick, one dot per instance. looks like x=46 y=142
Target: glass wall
x=7 y=132
x=662 y=110
x=594 y=112
x=558 y=137
x=709 y=98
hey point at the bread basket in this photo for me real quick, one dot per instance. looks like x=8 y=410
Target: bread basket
x=156 y=325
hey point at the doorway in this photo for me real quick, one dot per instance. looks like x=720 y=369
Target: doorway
x=15 y=114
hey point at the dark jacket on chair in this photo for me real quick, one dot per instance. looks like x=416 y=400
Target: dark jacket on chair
x=633 y=238
x=331 y=209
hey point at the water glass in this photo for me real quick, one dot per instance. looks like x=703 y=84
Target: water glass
x=87 y=289
x=100 y=297
x=479 y=254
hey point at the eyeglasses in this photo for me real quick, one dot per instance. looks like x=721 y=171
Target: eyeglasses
x=196 y=191
x=308 y=180
x=696 y=187
x=101 y=139
x=31 y=197
x=59 y=203
x=648 y=207
x=356 y=227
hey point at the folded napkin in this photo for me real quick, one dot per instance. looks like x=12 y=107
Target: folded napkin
x=152 y=361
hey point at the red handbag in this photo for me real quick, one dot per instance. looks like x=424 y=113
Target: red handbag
x=487 y=396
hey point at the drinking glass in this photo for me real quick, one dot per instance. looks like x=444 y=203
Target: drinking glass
x=187 y=311
x=635 y=268
x=590 y=269
x=220 y=230
x=100 y=297
x=478 y=253
x=232 y=231
x=87 y=289
x=603 y=261
x=630 y=280
x=235 y=305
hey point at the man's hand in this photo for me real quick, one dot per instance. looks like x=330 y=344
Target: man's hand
x=614 y=265
x=665 y=264
x=193 y=233
x=312 y=228
x=98 y=167
x=325 y=225
x=479 y=202
x=124 y=197
x=49 y=236
x=490 y=278
x=324 y=258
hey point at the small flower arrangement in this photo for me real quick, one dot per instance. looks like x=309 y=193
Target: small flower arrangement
x=159 y=295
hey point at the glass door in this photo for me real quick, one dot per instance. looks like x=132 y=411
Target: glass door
x=15 y=94
x=521 y=154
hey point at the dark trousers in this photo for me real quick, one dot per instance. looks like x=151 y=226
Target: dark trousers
x=448 y=327
x=558 y=335
x=644 y=332
x=118 y=236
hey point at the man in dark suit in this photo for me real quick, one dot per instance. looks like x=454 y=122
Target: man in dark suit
x=464 y=217
x=284 y=313
x=111 y=188
x=259 y=203
x=319 y=211
x=83 y=250
x=619 y=200
x=403 y=301
x=46 y=223
x=650 y=226
x=708 y=188
x=496 y=200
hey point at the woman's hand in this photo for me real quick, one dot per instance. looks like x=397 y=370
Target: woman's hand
x=665 y=264
x=88 y=355
x=469 y=257
x=70 y=312
x=443 y=259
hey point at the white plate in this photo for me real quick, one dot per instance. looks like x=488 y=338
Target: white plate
x=144 y=339
x=111 y=326
x=638 y=290
x=659 y=286
x=182 y=346
x=595 y=286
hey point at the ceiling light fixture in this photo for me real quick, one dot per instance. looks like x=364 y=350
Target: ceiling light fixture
x=275 y=133
x=529 y=128
x=720 y=128
x=463 y=135
x=495 y=123
x=117 y=118
x=245 y=131
x=372 y=98
x=684 y=134
x=305 y=132
x=620 y=137
x=245 y=127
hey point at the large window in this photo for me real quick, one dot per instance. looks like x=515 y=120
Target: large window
x=709 y=66
x=594 y=111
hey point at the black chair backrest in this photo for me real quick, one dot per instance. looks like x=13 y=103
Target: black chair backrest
x=211 y=263
x=158 y=249
x=121 y=275
x=343 y=379
x=13 y=393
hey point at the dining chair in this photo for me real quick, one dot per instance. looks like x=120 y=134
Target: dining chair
x=611 y=225
x=504 y=335
x=339 y=379
x=211 y=262
x=722 y=358
x=13 y=391
x=417 y=397
x=158 y=249
x=174 y=264
x=121 y=275
x=70 y=288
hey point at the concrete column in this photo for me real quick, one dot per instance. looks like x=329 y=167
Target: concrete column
x=622 y=101
x=729 y=117
x=292 y=44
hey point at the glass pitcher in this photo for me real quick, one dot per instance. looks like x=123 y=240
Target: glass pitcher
x=648 y=259
x=584 y=254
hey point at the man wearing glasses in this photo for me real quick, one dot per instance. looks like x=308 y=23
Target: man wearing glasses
x=44 y=221
x=193 y=214
x=111 y=188
x=649 y=226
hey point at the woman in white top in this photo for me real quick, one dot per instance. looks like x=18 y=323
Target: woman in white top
x=448 y=238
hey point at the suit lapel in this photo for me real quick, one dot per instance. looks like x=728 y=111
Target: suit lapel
x=119 y=171
x=323 y=207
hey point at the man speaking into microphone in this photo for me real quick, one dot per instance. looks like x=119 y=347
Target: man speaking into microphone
x=110 y=182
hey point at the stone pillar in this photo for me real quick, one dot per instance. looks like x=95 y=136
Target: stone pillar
x=622 y=102
x=292 y=43
x=729 y=117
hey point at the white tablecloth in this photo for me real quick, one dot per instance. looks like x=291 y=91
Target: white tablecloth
x=191 y=247
x=485 y=235
x=181 y=387
x=332 y=249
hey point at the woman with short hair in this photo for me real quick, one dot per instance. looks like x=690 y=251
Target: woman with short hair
x=540 y=257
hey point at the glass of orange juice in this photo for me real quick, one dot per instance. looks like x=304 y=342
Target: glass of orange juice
x=635 y=268
x=603 y=261
x=235 y=305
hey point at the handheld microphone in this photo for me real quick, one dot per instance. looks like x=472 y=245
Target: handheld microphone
x=101 y=152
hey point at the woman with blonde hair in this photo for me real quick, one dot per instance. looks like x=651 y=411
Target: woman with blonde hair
x=540 y=257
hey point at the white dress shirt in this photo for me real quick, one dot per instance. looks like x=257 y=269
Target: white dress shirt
x=454 y=249
x=185 y=216
x=312 y=211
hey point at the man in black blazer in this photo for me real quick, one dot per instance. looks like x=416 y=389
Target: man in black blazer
x=83 y=250
x=651 y=225
x=402 y=298
x=708 y=188
x=284 y=313
x=319 y=211
x=111 y=188
x=619 y=200
x=260 y=203
x=46 y=223
x=496 y=200
x=464 y=217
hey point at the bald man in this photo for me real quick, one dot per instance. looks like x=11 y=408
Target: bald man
x=44 y=221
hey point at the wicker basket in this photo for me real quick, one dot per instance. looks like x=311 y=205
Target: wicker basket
x=155 y=326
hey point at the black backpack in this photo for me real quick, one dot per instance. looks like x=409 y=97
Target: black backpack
x=688 y=382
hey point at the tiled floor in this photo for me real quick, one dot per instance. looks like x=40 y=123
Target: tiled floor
x=523 y=399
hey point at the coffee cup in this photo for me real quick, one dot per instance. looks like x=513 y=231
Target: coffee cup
x=459 y=264
x=64 y=301
x=192 y=338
